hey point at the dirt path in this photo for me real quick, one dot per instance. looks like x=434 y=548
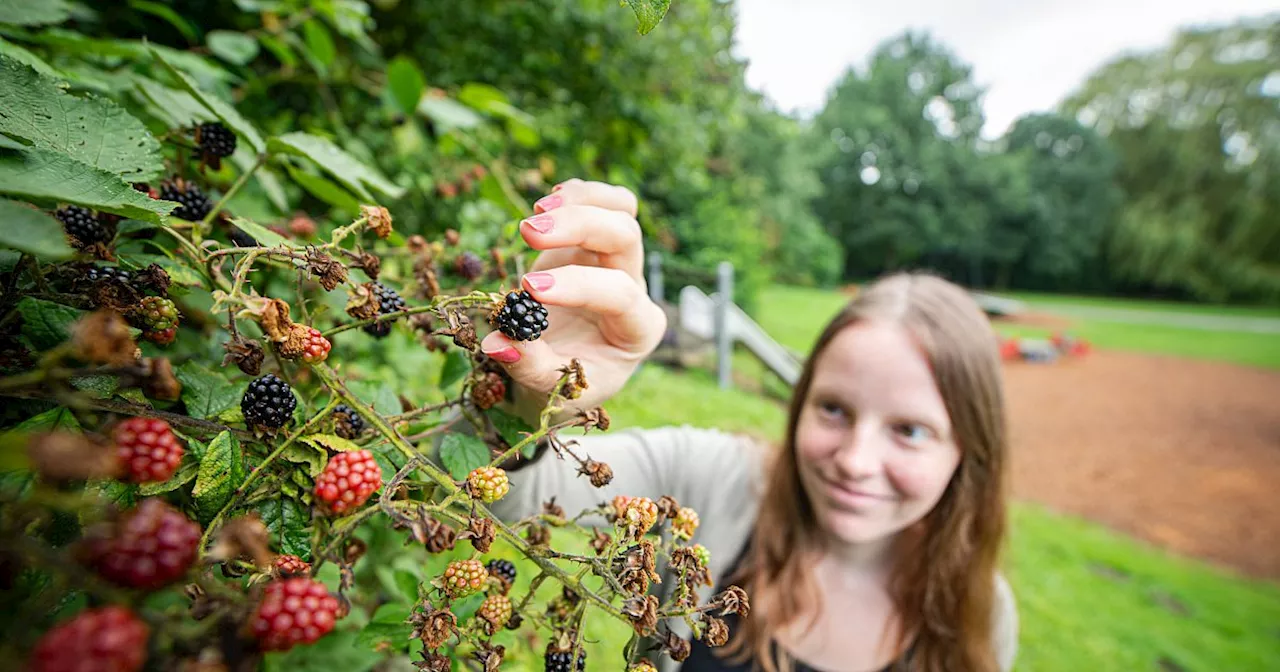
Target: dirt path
x=1184 y=454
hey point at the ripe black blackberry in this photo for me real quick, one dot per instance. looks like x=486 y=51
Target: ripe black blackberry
x=215 y=140
x=346 y=422
x=81 y=224
x=388 y=302
x=97 y=274
x=503 y=569
x=521 y=317
x=468 y=266
x=561 y=661
x=240 y=238
x=194 y=204
x=269 y=402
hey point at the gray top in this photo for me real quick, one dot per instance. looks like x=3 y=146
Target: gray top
x=717 y=474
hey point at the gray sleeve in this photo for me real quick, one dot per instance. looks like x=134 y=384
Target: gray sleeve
x=1006 y=626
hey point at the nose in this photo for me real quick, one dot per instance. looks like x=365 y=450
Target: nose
x=861 y=454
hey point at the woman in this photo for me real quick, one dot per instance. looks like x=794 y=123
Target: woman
x=870 y=541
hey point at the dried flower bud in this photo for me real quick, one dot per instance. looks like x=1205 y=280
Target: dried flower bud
x=326 y=269
x=434 y=662
x=272 y=315
x=353 y=550
x=480 y=531
x=65 y=456
x=102 y=337
x=499 y=263
x=538 y=535
x=451 y=237
x=668 y=507
x=489 y=657
x=552 y=509
x=599 y=472
x=463 y=332
x=733 y=600
x=370 y=263
x=440 y=537
x=675 y=646
x=716 y=632
x=600 y=542
x=244 y=537
x=246 y=354
x=159 y=381
x=153 y=277
x=434 y=627
x=378 y=219
x=416 y=244
x=642 y=611
x=364 y=304
x=577 y=382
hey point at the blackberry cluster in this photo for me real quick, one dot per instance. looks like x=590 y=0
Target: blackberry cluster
x=105 y=638
x=97 y=274
x=562 y=661
x=503 y=569
x=152 y=546
x=388 y=302
x=194 y=204
x=215 y=140
x=81 y=224
x=521 y=317
x=269 y=402
x=468 y=266
x=346 y=422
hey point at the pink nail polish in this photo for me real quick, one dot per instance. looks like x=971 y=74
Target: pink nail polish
x=541 y=223
x=548 y=202
x=556 y=188
x=539 y=282
x=507 y=355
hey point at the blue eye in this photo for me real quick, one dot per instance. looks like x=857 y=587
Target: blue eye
x=830 y=410
x=912 y=432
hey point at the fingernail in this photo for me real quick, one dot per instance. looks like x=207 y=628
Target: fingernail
x=558 y=187
x=548 y=202
x=507 y=355
x=539 y=281
x=541 y=223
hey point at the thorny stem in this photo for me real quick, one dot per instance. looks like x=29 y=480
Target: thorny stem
x=261 y=469
x=475 y=299
x=244 y=177
x=409 y=415
x=130 y=408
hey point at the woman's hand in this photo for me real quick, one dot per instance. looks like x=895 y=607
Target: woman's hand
x=590 y=277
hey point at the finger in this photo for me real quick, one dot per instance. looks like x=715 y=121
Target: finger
x=628 y=319
x=531 y=364
x=612 y=234
x=580 y=192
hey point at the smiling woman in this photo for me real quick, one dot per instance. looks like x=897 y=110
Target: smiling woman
x=869 y=540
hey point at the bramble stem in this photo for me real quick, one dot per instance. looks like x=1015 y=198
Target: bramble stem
x=203 y=226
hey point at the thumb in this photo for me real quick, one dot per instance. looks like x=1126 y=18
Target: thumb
x=531 y=364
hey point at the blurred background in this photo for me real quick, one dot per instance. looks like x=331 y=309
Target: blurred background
x=1104 y=175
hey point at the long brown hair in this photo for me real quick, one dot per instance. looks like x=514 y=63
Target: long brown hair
x=943 y=583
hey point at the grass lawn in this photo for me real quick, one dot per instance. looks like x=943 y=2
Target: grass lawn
x=1050 y=300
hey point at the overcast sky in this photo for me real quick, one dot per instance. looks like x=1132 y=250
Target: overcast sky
x=1028 y=54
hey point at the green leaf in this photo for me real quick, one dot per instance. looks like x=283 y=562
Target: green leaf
x=205 y=393
x=175 y=108
x=179 y=271
x=45 y=323
x=169 y=15
x=344 y=167
x=39 y=173
x=94 y=131
x=320 y=44
x=330 y=442
x=270 y=184
x=396 y=612
x=29 y=13
x=461 y=453
x=186 y=473
x=125 y=495
x=456 y=365
x=97 y=386
x=287 y=523
x=244 y=130
x=21 y=55
x=325 y=190
x=221 y=472
x=377 y=635
x=513 y=430
x=265 y=237
x=406 y=83
x=649 y=13
x=232 y=47
x=448 y=114
x=309 y=454
x=339 y=650
x=33 y=231
x=51 y=420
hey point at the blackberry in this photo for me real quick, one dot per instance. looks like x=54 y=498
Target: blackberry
x=346 y=422
x=504 y=570
x=215 y=140
x=97 y=274
x=269 y=402
x=194 y=204
x=562 y=661
x=82 y=225
x=239 y=238
x=468 y=266
x=388 y=302
x=521 y=317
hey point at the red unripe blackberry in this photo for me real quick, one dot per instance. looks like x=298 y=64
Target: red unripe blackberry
x=348 y=481
x=269 y=402
x=468 y=266
x=318 y=347
x=463 y=578
x=488 y=484
x=521 y=317
x=150 y=547
x=496 y=609
x=488 y=391
x=292 y=612
x=82 y=225
x=288 y=566
x=194 y=204
x=162 y=337
x=148 y=449
x=110 y=639
x=388 y=302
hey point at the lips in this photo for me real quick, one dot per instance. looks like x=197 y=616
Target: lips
x=852 y=498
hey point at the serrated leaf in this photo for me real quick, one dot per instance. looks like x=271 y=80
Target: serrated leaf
x=124 y=495
x=265 y=237
x=331 y=442
x=287 y=523
x=97 y=386
x=28 y=13
x=244 y=130
x=513 y=430
x=221 y=472
x=649 y=13
x=45 y=323
x=381 y=396
x=185 y=474
x=21 y=55
x=50 y=420
x=94 y=131
x=32 y=231
x=205 y=393
x=175 y=108
x=406 y=83
x=43 y=174
x=308 y=454
x=389 y=460
x=347 y=169
x=462 y=453
x=232 y=47
x=448 y=114
x=325 y=190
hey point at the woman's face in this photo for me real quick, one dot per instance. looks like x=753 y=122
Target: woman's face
x=874 y=440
